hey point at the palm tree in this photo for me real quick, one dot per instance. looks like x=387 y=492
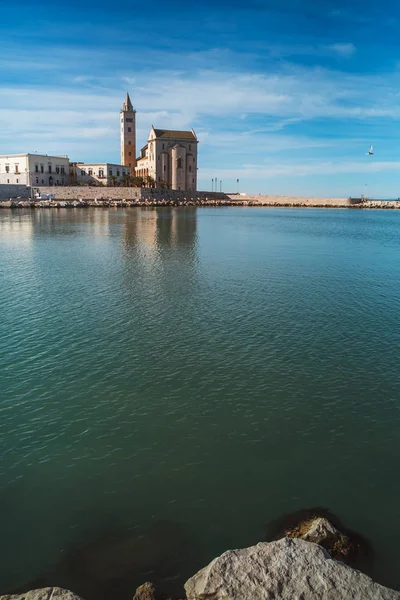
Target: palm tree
x=150 y=181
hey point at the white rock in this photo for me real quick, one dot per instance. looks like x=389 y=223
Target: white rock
x=49 y=593
x=289 y=569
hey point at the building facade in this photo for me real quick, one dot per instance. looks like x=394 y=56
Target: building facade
x=34 y=169
x=107 y=174
x=128 y=134
x=170 y=158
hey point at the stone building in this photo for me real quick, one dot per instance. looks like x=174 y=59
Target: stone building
x=170 y=158
x=128 y=134
x=98 y=173
x=34 y=169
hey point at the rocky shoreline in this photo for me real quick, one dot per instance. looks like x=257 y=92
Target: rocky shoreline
x=201 y=202
x=314 y=560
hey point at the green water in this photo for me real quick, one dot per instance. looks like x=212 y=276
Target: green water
x=209 y=369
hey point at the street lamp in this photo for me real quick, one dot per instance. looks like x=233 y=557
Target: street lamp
x=212 y=184
x=220 y=185
x=237 y=185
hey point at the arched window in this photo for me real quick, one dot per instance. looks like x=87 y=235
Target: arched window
x=179 y=163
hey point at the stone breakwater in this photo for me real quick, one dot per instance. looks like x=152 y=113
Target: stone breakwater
x=35 y=204
x=201 y=201
x=298 y=565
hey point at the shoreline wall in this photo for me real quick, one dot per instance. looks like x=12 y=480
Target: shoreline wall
x=8 y=190
x=297 y=201
x=125 y=193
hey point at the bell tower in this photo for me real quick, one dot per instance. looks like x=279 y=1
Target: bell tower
x=128 y=135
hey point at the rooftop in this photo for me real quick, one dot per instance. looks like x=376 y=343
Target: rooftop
x=175 y=135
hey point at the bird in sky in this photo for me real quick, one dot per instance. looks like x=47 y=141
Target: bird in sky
x=370 y=151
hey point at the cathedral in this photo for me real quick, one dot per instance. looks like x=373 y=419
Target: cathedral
x=169 y=157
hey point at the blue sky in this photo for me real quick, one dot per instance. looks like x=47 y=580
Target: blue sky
x=286 y=96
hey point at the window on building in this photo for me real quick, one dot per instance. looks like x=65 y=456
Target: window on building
x=37 y=179
x=117 y=172
x=49 y=168
x=83 y=172
x=179 y=163
x=163 y=146
x=110 y=172
x=190 y=147
x=42 y=170
x=7 y=168
x=90 y=171
x=36 y=168
x=62 y=181
x=129 y=143
x=190 y=168
x=101 y=173
x=58 y=169
x=165 y=167
x=8 y=181
x=16 y=168
x=123 y=173
x=129 y=153
x=58 y=182
x=17 y=180
x=129 y=129
x=62 y=170
x=128 y=120
x=42 y=181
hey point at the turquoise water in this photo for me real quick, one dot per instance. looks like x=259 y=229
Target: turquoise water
x=208 y=369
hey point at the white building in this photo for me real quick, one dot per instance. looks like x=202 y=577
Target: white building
x=98 y=173
x=170 y=158
x=34 y=169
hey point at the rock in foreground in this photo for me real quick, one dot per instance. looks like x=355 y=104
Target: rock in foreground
x=288 y=569
x=49 y=593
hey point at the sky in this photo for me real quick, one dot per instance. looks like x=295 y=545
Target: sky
x=285 y=96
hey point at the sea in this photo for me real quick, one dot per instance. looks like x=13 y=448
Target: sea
x=173 y=380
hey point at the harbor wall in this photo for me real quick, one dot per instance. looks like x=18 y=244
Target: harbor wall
x=8 y=190
x=296 y=201
x=125 y=193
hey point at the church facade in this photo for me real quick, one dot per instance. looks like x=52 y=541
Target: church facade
x=169 y=157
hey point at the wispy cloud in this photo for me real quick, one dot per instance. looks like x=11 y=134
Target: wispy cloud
x=344 y=50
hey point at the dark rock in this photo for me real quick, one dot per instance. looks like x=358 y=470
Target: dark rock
x=320 y=526
x=147 y=591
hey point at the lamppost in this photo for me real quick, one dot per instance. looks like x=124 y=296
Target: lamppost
x=220 y=185
x=212 y=184
x=237 y=185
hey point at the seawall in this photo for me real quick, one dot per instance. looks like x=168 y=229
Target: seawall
x=85 y=196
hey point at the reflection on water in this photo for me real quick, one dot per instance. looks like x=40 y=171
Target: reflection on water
x=208 y=368
x=156 y=228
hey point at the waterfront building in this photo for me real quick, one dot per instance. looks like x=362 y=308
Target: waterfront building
x=34 y=169
x=107 y=174
x=170 y=158
x=128 y=134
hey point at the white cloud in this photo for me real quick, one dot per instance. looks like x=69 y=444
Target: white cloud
x=344 y=50
x=261 y=171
